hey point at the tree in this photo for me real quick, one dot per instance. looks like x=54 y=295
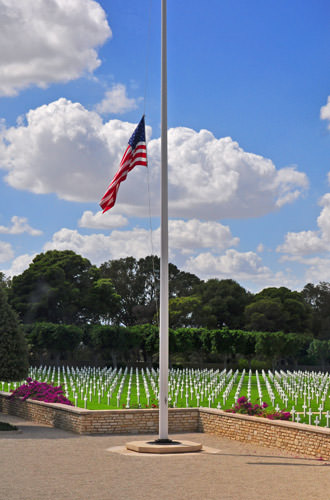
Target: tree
x=264 y=315
x=184 y=312
x=53 y=341
x=104 y=302
x=272 y=346
x=222 y=303
x=320 y=351
x=113 y=343
x=317 y=298
x=13 y=348
x=124 y=274
x=60 y=287
x=137 y=283
x=275 y=309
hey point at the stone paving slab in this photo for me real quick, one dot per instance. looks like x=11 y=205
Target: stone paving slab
x=43 y=463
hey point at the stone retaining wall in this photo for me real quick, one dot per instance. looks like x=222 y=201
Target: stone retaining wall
x=299 y=439
x=83 y=421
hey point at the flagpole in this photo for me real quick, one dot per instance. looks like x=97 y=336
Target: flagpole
x=163 y=332
x=163 y=442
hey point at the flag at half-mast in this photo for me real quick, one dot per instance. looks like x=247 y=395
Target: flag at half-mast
x=135 y=154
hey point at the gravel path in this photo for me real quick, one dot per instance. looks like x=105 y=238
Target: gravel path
x=42 y=463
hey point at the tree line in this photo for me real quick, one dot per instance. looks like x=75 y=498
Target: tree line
x=63 y=287
x=51 y=343
x=64 y=309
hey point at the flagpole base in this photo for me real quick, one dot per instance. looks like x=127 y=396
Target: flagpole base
x=169 y=447
x=164 y=441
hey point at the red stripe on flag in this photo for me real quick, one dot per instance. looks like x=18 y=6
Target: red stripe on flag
x=131 y=159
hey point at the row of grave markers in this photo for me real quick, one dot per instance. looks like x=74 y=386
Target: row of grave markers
x=133 y=387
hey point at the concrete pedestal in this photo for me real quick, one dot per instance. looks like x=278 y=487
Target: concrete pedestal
x=155 y=447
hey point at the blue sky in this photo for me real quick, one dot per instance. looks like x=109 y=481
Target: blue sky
x=249 y=134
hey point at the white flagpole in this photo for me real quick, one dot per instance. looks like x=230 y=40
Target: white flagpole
x=163 y=333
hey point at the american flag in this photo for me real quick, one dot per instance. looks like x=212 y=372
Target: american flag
x=135 y=154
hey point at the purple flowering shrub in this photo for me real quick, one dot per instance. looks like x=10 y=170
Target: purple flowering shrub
x=243 y=406
x=41 y=391
x=279 y=415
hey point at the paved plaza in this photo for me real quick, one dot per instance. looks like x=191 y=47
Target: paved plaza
x=43 y=463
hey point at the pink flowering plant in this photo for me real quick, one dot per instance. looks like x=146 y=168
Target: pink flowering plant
x=244 y=407
x=41 y=391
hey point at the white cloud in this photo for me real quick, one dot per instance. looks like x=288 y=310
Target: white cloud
x=194 y=234
x=116 y=101
x=309 y=242
x=65 y=149
x=302 y=243
x=19 y=265
x=183 y=237
x=232 y=264
x=215 y=178
x=325 y=112
x=19 y=225
x=6 y=251
x=99 y=248
x=316 y=268
x=48 y=41
x=99 y=220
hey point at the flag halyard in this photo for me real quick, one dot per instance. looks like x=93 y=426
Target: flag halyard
x=135 y=154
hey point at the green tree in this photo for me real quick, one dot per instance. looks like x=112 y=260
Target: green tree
x=137 y=283
x=320 y=351
x=275 y=309
x=124 y=274
x=264 y=315
x=222 y=343
x=317 y=298
x=272 y=346
x=60 y=287
x=13 y=348
x=113 y=343
x=104 y=302
x=54 y=342
x=222 y=303
x=148 y=339
x=184 y=312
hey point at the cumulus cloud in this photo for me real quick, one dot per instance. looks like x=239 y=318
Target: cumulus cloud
x=6 y=251
x=325 y=112
x=44 y=42
x=232 y=264
x=101 y=221
x=19 y=225
x=99 y=248
x=309 y=242
x=184 y=236
x=116 y=101
x=215 y=178
x=65 y=149
x=19 y=264
x=191 y=235
x=318 y=269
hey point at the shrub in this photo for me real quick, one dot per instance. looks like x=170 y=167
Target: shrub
x=244 y=407
x=41 y=391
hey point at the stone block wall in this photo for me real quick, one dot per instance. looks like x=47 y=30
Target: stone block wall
x=300 y=439
x=83 y=421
